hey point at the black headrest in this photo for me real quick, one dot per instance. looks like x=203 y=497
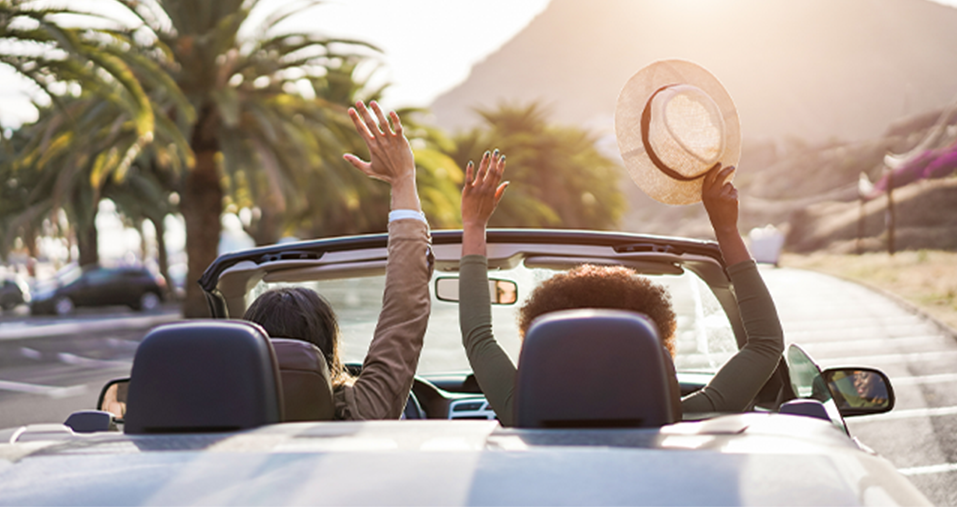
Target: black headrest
x=306 y=386
x=203 y=376
x=592 y=369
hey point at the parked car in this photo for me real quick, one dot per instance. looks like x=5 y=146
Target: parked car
x=135 y=287
x=204 y=427
x=13 y=292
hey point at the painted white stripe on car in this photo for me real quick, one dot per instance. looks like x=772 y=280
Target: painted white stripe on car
x=930 y=469
x=51 y=391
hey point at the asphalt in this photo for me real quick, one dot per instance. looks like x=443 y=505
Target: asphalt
x=840 y=323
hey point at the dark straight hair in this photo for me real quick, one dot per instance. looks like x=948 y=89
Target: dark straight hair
x=301 y=314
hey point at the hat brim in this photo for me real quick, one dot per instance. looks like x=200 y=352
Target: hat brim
x=631 y=103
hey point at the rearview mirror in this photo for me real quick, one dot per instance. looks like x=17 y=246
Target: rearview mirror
x=113 y=398
x=501 y=292
x=859 y=391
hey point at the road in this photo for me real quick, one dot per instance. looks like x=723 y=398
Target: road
x=49 y=368
x=842 y=323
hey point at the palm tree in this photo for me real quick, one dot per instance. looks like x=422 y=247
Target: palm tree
x=94 y=133
x=254 y=127
x=47 y=53
x=72 y=152
x=559 y=177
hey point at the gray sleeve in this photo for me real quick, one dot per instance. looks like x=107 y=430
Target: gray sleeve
x=740 y=379
x=493 y=368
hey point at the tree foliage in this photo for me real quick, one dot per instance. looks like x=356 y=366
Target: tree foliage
x=558 y=178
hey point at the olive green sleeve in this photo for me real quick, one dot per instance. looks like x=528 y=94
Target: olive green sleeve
x=740 y=379
x=493 y=369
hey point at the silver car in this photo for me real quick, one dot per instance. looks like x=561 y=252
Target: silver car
x=212 y=431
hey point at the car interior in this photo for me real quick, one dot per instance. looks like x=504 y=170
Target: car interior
x=563 y=378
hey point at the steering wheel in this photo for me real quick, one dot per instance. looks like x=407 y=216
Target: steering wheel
x=413 y=409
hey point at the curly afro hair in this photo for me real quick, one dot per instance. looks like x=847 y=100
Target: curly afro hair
x=612 y=287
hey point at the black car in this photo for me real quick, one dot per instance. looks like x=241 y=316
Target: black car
x=135 y=287
x=13 y=292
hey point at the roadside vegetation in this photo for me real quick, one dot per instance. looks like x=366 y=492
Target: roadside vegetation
x=925 y=278
x=182 y=114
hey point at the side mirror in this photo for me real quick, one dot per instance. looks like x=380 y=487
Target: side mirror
x=501 y=292
x=859 y=391
x=113 y=398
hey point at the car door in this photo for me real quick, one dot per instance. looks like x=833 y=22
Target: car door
x=98 y=289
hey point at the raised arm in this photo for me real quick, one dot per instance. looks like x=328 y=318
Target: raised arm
x=493 y=369
x=720 y=199
x=382 y=389
x=739 y=380
x=480 y=195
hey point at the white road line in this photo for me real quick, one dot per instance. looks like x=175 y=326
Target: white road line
x=926 y=379
x=892 y=358
x=872 y=343
x=66 y=357
x=912 y=413
x=29 y=353
x=51 y=391
x=929 y=469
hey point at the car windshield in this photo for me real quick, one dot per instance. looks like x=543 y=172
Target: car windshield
x=704 y=338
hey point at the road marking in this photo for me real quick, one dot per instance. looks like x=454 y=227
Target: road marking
x=893 y=358
x=871 y=343
x=29 y=353
x=51 y=391
x=926 y=379
x=66 y=357
x=929 y=469
x=910 y=414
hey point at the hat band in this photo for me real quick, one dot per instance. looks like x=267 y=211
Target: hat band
x=645 y=122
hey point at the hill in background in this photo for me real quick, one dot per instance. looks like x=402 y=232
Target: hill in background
x=824 y=89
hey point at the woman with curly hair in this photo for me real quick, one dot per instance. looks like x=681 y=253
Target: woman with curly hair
x=731 y=389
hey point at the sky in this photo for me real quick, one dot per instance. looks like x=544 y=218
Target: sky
x=428 y=46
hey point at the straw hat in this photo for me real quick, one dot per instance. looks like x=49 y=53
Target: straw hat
x=674 y=121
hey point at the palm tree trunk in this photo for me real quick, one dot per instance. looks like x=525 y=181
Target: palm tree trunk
x=87 y=244
x=162 y=259
x=202 y=204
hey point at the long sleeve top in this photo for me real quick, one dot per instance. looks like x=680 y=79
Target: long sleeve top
x=731 y=389
x=382 y=388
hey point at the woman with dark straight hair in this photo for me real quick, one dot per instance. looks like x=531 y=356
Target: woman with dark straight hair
x=381 y=390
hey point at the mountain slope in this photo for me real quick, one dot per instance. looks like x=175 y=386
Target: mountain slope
x=813 y=70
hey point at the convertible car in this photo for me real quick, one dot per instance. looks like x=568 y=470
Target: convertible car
x=215 y=412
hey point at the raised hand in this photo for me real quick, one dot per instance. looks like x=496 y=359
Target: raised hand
x=482 y=190
x=720 y=199
x=480 y=195
x=391 y=158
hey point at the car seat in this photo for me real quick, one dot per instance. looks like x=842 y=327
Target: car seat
x=306 y=386
x=203 y=376
x=592 y=368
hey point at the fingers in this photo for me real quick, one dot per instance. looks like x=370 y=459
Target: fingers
x=469 y=173
x=500 y=191
x=383 y=123
x=360 y=125
x=368 y=119
x=396 y=123
x=358 y=163
x=489 y=172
